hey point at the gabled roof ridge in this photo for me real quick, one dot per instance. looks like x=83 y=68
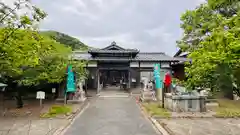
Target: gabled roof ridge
x=110 y=46
x=113 y=44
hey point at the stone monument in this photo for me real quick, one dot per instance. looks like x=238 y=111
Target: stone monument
x=185 y=102
x=80 y=94
x=147 y=93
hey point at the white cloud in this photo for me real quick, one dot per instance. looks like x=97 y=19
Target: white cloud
x=75 y=7
x=8 y=2
x=160 y=32
x=152 y=25
x=198 y=2
x=25 y=8
x=125 y=40
x=78 y=3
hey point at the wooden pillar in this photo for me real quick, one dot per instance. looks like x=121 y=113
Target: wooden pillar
x=86 y=80
x=98 y=81
x=129 y=78
x=139 y=74
x=163 y=93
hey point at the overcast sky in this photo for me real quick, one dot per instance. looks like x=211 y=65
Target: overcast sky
x=148 y=25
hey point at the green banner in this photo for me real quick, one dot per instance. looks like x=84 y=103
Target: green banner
x=70 y=80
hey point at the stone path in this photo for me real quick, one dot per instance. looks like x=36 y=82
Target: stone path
x=112 y=116
x=31 y=127
x=204 y=126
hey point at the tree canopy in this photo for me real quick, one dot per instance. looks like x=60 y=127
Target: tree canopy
x=212 y=36
x=28 y=57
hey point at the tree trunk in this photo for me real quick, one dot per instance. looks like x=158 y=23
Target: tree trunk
x=19 y=99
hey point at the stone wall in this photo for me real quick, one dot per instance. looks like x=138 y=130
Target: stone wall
x=185 y=103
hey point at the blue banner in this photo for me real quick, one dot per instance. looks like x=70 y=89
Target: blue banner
x=70 y=80
x=156 y=73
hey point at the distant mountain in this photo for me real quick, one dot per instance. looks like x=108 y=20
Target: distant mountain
x=65 y=39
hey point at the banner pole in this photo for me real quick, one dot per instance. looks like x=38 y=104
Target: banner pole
x=163 y=97
x=65 y=98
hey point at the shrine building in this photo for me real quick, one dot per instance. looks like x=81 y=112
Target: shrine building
x=111 y=65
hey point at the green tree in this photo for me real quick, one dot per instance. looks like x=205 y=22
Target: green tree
x=211 y=35
x=52 y=66
x=28 y=58
x=17 y=46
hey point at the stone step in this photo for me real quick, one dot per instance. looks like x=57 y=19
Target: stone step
x=114 y=96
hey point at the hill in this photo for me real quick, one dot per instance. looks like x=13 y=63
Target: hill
x=65 y=39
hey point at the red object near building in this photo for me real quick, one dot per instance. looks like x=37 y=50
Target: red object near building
x=167 y=79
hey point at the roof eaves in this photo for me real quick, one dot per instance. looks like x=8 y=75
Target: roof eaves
x=178 y=53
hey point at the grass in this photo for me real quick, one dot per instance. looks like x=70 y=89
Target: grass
x=228 y=108
x=155 y=109
x=57 y=110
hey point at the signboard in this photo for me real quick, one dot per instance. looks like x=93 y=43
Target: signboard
x=158 y=81
x=70 y=80
x=133 y=80
x=40 y=95
x=53 y=90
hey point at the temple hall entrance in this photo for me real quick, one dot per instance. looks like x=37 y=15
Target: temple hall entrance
x=114 y=80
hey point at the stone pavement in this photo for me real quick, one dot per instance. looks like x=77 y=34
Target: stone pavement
x=112 y=116
x=31 y=127
x=202 y=126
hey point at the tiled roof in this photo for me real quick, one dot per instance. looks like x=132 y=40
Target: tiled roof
x=113 y=51
x=181 y=53
x=113 y=45
x=140 y=57
x=153 y=57
x=113 y=48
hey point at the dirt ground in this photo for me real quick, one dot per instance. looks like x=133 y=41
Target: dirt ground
x=31 y=108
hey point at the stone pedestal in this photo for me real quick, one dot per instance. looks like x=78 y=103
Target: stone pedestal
x=147 y=96
x=185 y=103
x=79 y=94
x=159 y=94
x=82 y=96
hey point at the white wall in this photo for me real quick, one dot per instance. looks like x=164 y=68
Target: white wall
x=149 y=74
x=92 y=64
x=135 y=64
x=149 y=64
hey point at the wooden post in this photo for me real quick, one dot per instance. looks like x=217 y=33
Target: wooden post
x=40 y=102
x=98 y=82
x=139 y=74
x=86 y=80
x=129 y=79
x=162 y=88
x=162 y=97
x=65 y=98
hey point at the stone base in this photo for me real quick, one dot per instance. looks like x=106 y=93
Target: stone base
x=146 y=96
x=159 y=94
x=60 y=100
x=74 y=101
x=185 y=103
x=71 y=101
